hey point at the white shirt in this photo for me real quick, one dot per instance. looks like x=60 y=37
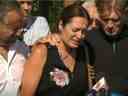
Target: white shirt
x=37 y=30
x=11 y=70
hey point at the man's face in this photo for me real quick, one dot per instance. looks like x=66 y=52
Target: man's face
x=14 y=20
x=7 y=35
x=111 y=21
x=8 y=30
x=26 y=6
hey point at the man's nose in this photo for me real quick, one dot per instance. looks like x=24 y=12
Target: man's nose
x=110 y=24
x=26 y=6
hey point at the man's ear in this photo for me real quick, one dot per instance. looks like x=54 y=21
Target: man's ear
x=60 y=25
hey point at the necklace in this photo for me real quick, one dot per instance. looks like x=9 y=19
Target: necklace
x=68 y=58
x=63 y=55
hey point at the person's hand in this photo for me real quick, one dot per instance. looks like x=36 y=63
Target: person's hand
x=52 y=39
x=92 y=10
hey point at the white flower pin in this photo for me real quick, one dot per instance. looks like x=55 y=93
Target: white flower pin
x=59 y=77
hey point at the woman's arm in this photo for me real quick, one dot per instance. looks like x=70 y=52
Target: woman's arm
x=33 y=70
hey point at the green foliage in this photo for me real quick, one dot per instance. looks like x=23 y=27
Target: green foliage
x=54 y=11
x=35 y=7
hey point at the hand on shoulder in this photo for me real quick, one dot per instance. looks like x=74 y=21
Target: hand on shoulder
x=52 y=39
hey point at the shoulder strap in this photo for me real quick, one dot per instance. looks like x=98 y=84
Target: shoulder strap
x=30 y=21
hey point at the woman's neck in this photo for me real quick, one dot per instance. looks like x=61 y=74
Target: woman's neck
x=67 y=55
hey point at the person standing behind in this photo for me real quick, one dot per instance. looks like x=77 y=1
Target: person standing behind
x=13 y=53
x=90 y=6
x=110 y=45
x=35 y=27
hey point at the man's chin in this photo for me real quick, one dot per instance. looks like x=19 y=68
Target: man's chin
x=25 y=14
x=111 y=33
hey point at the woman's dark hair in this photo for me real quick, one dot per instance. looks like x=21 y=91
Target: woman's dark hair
x=68 y=13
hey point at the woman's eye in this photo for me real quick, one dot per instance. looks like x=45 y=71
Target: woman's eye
x=75 y=30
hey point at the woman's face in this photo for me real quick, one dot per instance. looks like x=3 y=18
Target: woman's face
x=74 y=31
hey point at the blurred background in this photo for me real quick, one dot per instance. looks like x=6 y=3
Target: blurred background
x=51 y=8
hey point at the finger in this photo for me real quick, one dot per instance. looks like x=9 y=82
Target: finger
x=51 y=40
x=44 y=40
x=57 y=40
x=54 y=39
x=48 y=39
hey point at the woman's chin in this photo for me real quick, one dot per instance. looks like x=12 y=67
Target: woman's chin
x=74 y=45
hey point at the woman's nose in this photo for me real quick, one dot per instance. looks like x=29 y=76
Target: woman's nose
x=80 y=34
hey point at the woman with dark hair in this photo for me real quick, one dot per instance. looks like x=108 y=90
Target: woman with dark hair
x=59 y=70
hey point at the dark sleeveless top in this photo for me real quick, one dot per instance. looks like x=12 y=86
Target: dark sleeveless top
x=78 y=82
